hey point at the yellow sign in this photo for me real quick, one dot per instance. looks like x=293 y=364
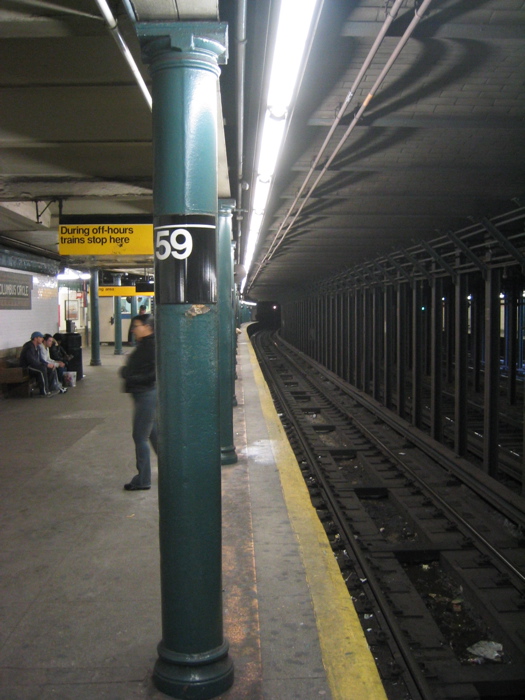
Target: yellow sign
x=105 y=239
x=122 y=292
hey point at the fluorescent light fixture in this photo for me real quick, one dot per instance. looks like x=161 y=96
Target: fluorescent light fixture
x=271 y=141
x=248 y=303
x=295 y=19
x=260 y=195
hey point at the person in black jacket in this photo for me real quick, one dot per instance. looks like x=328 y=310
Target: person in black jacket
x=45 y=372
x=140 y=382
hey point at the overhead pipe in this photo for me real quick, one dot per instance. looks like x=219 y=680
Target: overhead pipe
x=111 y=22
x=44 y=5
x=241 y=67
x=112 y=25
x=280 y=235
x=391 y=15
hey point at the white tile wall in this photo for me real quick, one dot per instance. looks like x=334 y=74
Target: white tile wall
x=16 y=325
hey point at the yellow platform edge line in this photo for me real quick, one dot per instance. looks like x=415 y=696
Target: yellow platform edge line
x=350 y=667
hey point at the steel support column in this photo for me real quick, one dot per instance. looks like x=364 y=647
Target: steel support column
x=401 y=337
x=183 y=58
x=95 y=318
x=512 y=341
x=357 y=349
x=436 y=363
x=477 y=334
x=417 y=354
x=224 y=290
x=366 y=355
x=134 y=312
x=461 y=365
x=388 y=346
x=377 y=338
x=492 y=372
x=117 y=317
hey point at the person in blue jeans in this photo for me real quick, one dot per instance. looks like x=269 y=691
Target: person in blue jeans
x=140 y=381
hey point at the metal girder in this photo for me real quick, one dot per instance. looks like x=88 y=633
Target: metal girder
x=506 y=244
x=470 y=255
x=400 y=269
x=415 y=262
x=440 y=261
x=384 y=272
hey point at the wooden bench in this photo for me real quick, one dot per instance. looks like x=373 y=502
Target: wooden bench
x=15 y=380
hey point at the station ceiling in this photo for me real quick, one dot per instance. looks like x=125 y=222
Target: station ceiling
x=440 y=144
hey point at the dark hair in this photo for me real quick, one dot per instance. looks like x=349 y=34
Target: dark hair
x=58 y=337
x=145 y=319
x=47 y=336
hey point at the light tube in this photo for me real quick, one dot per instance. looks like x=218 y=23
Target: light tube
x=295 y=18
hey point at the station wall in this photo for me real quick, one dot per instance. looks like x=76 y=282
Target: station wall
x=16 y=325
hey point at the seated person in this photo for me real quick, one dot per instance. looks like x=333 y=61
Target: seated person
x=57 y=350
x=44 y=348
x=44 y=372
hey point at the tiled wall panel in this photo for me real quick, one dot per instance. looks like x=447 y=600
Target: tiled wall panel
x=16 y=325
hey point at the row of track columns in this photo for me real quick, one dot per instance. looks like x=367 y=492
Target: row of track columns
x=436 y=349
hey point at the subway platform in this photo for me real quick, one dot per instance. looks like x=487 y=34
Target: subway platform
x=79 y=583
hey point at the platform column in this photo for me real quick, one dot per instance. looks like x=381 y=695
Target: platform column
x=95 y=318
x=133 y=313
x=236 y=323
x=225 y=288
x=117 y=315
x=183 y=58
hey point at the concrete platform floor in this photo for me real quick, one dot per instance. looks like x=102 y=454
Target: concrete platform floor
x=79 y=584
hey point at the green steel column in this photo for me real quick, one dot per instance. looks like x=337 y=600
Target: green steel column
x=183 y=58
x=225 y=285
x=235 y=324
x=95 y=319
x=117 y=315
x=134 y=312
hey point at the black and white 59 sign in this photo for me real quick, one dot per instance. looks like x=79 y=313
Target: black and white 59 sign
x=173 y=241
x=185 y=259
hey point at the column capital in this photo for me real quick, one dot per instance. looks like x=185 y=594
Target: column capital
x=201 y=37
x=226 y=206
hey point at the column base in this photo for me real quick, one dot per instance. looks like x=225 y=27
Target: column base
x=228 y=455
x=193 y=681
x=95 y=363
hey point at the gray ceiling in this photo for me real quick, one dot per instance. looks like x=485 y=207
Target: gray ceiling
x=74 y=126
x=440 y=144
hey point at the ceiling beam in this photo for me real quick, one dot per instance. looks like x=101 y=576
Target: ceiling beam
x=62 y=187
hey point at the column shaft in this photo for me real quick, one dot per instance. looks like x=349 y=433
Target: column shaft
x=193 y=654
x=225 y=289
x=95 y=318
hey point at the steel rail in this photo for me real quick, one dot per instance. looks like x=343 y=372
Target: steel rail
x=435 y=455
x=413 y=669
x=510 y=505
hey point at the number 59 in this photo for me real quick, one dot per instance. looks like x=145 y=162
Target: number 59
x=171 y=245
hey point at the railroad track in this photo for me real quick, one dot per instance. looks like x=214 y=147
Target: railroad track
x=431 y=551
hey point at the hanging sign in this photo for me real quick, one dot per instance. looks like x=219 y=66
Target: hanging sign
x=185 y=259
x=105 y=239
x=122 y=291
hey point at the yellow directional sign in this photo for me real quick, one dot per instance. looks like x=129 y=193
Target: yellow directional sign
x=105 y=239
x=122 y=292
